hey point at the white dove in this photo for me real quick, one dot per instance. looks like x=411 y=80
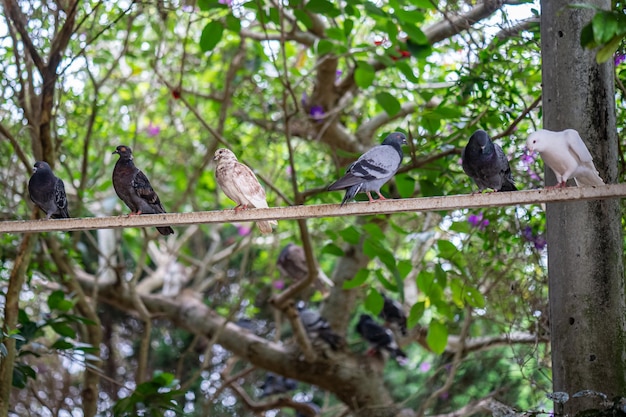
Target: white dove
x=566 y=154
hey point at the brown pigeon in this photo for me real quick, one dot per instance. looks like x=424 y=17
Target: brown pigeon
x=292 y=263
x=134 y=189
x=240 y=185
x=48 y=192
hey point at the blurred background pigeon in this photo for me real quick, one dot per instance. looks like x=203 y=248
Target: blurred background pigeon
x=373 y=169
x=379 y=337
x=318 y=328
x=566 y=154
x=48 y=192
x=133 y=188
x=277 y=384
x=292 y=264
x=392 y=312
x=486 y=163
x=240 y=184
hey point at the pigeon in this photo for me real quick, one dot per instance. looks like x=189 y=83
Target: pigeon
x=372 y=170
x=566 y=154
x=392 y=312
x=317 y=327
x=277 y=384
x=292 y=263
x=134 y=189
x=240 y=185
x=486 y=163
x=48 y=192
x=379 y=337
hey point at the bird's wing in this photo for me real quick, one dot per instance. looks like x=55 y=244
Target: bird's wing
x=576 y=146
x=248 y=185
x=379 y=162
x=142 y=187
x=59 y=194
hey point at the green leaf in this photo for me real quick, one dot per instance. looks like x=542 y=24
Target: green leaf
x=410 y=16
x=374 y=10
x=424 y=4
x=323 y=7
x=586 y=37
x=437 y=336
x=389 y=103
x=446 y=249
x=405 y=184
x=416 y=313
x=407 y=71
x=404 y=267
x=63 y=329
x=474 y=297
x=206 y=5
x=415 y=33
x=364 y=74
x=324 y=46
x=211 y=35
x=604 y=27
x=358 y=280
x=57 y=301
x=303 y=18
x=607 y=51
x=348 y=25
x=233 y=23
x=374 y=302
x=335 y=33
x=62 y=345
x=426 y=281
x=351 y=235
x=374 y=231
x=332 y=249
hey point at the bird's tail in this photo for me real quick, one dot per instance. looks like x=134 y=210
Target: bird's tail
x=266 y=226
x=333 y=339
x=508 y=186
x=165 y=230
x=350 y=193
x=589 y=179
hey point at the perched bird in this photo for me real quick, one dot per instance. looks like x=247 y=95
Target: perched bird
x=486 y=163
x=317 y=327
x=134 y=189
x=392 y=312
x=566 y=154
x=373 y=169
x=292 y=263
x=240 y=185
x=379 y=337
x=277 y=384
x=48 y=192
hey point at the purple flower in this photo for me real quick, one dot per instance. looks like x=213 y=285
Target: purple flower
x=317 y=112
x=338 y=74
x=478 y=220
x=528 y=158
x=278 y=284
x=243 y=230
x=288 y=170
x=304 y=99
x=538 y=241
x=619 y=59
x=425 y=367
x=152 y=130
x=226 y=2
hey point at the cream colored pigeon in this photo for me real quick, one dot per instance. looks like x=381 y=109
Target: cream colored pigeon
x=566 y=154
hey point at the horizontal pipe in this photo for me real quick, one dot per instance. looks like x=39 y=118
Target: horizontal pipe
x=451 y=202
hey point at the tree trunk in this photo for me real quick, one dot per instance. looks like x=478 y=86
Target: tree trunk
x=585 y=246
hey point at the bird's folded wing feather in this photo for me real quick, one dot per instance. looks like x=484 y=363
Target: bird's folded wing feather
x=248 y=185
x=377 y=163
x=503 y=161
x=577 y=146
x=142 y=186
x=59 y=194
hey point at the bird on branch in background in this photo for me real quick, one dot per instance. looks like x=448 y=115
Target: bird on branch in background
x=485 y=163
x=317 y=327
x=134 y=189
x=48 y=192
x=567 y=156
x=292 y=263
x=277 y=384
x=373 y=169
x=240 y=184
x=392 y=312
x=379 y=338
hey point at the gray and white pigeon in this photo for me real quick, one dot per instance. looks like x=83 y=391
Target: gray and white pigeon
x=134 y=189
x=48 y=192
x=379 y=337
x=392 y=312
x=317 y=327
x=566 y=154
x=292 y=263
x=276 y=384
x=240 y=185
x=486 y=163
x=373 y=169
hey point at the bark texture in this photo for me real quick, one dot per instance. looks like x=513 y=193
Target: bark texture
x=585 y=246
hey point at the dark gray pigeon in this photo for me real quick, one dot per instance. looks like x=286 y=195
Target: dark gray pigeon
x=373 y=169
x=317 y=327
x=292 y=264
x=133 y=188
x=277 y=384
x=48 y=192
x=486 y=163
x=379 y=337
x=392 y=312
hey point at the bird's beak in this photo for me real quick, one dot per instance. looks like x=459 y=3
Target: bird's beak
x=115 y=152
x=215 y=157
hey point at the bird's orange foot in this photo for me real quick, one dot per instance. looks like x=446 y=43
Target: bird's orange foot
x=241 y=207
x=132 y=213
